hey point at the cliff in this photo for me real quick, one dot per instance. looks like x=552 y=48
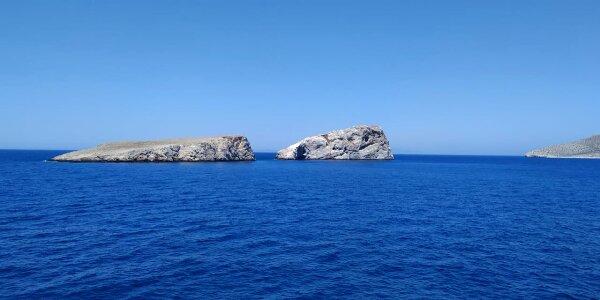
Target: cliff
x=358 y=142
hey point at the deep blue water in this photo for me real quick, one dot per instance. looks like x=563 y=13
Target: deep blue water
x=417 y=227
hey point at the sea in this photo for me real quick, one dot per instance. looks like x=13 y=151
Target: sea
x=417 y=227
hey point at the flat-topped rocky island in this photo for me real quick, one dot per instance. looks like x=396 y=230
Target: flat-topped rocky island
x=219 y=148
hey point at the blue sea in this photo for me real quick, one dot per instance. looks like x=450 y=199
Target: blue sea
x=428 y=227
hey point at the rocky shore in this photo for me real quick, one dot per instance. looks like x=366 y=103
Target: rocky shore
x=586 y=148
x=220 y=148
x=358 y=142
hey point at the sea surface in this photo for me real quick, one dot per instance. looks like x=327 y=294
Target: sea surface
x=418 y=227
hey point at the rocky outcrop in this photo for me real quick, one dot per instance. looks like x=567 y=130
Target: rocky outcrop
x=221 y=148
x=586 y=148
x=358 y=142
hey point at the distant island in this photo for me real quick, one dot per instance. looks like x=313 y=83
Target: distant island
x=358 y=142
x=219 y=148
x=586 y=148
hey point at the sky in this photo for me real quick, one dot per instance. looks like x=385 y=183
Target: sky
x=441 y=77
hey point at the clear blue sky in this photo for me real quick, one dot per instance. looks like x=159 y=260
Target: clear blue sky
x=454 y=77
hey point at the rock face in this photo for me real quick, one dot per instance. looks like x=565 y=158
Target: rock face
x=221 y=148
x=358 y=142
x=586 y=148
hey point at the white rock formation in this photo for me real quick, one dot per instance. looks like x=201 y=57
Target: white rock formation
x=220 y=148
x=586 y=148
x=358 y=142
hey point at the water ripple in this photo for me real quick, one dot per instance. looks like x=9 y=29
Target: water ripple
x=417 y=227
